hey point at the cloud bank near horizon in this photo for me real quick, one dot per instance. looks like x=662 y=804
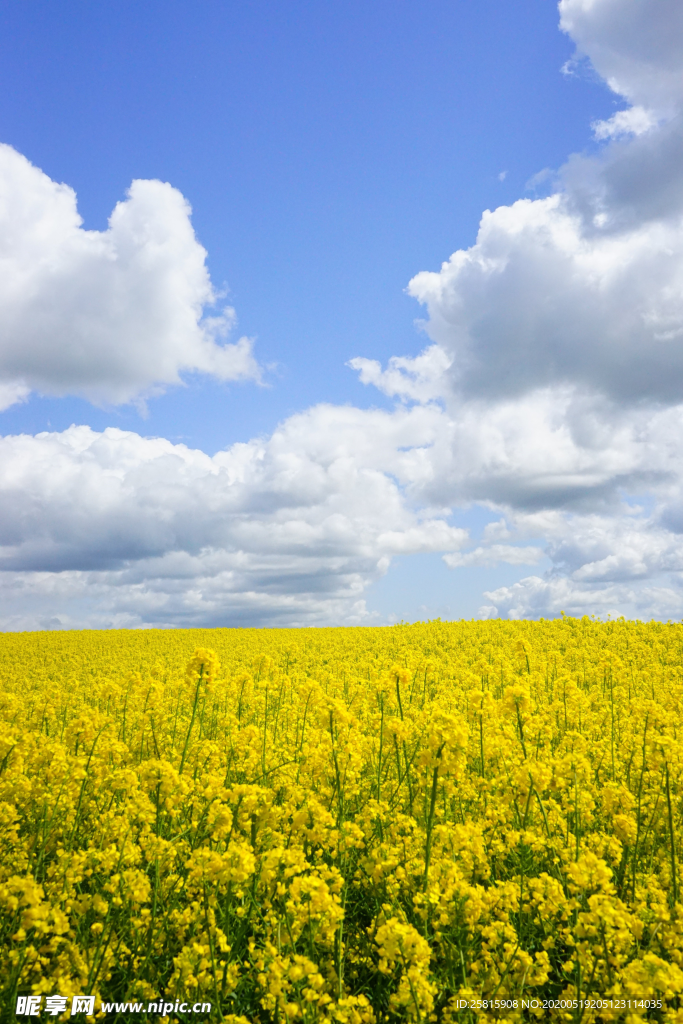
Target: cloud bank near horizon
x=115 y=529
x=550 y=394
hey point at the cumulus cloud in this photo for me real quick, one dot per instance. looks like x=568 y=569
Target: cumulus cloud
x=633 y=121
x=534 y=597
x=108 y=315
x=543 y=299
x=636 y=47
x=291 y=529
x=115 y=529
x=419 y=379
x=584 y=288
x=561 y=331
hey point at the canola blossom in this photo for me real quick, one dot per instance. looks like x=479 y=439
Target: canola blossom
x=468 y=821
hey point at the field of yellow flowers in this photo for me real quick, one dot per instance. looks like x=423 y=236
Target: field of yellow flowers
x=434 y=822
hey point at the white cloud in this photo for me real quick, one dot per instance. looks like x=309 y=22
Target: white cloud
x=12 y=394
x=545 y=299
x=623 y=563
x=112 y=528
x=534 y=597
x=115 y=529
x=584 y=288
x=636 y=47
x=109 y=315
x=494 y=555
x=496 y=531
x=634 y=121
x=419 y=379
x=551 y=449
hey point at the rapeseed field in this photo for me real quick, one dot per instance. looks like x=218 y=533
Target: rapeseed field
x=433 y=822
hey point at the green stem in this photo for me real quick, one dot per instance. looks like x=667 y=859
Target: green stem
x=430 y=820
x=674 y=883
x=194 y=714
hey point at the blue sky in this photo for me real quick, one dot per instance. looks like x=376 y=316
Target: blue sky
x=331 y=152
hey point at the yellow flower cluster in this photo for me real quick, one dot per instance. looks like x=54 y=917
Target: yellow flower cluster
x=433 y=822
